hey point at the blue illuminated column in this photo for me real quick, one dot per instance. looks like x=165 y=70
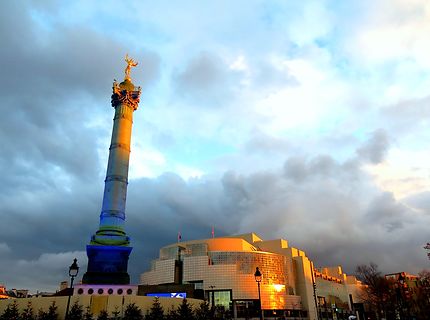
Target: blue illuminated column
x=109 y=248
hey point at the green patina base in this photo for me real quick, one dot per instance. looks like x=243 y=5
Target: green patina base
x=106 y=236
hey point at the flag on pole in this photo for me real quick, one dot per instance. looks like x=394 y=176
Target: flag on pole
x=179 y=236
x=213 y=232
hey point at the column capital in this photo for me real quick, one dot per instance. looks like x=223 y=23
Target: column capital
x=125 y=93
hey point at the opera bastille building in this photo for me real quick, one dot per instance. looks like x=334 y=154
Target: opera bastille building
x=222 y=270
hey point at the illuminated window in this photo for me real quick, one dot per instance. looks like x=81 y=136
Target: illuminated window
x=220 y=298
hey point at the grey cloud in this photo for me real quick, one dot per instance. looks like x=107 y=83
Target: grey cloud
x=420 y=201
x=405 y=117
x=254 y=199
x=211 y=81
x=296 y=169
x=300 y=169
x=57 y=60
x=324 y=219
x=376 y=148
x=202 y=73
x=324 y=165
x=263 y=143
x=48 y=268
x=384 y=209
x=322 y=216
x=205 y=78
x=157 y=209
x=4 y=248
x=54 y=82
x=49 y=65
x=233 y=188
x=268 y=76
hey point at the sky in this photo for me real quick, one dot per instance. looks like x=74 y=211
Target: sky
x=302 y=120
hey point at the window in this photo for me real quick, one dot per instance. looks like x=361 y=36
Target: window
x=220 y=298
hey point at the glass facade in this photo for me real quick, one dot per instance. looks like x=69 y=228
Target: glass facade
x=271 y=265
x=220 y=298
x=227 y=277
x=231 y=271
x=196 y=249
x=171 y=252
x=162 y=271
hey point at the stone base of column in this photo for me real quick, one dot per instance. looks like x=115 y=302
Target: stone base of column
x=107 y=265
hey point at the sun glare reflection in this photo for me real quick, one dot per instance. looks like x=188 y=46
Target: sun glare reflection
x=279 y=287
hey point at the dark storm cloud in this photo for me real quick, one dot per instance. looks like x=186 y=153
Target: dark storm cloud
x=50 y=220
x=322 y=215
x=328 y=208
x=170 y=199
x=45 y=230
x=42 y=273
x=54 y=82
x=337 y=216
x=385 y=210
x=159 y=208
x=55 y=86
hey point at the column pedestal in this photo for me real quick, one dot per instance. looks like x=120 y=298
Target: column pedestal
x=107 y=265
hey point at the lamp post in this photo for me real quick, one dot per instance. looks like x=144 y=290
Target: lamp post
x=73 y=272
x=257 y=276
x=212 y=297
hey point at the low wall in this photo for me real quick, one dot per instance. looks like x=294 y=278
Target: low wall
x=96 y=303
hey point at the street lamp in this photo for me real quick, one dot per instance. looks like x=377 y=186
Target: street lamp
x=212 y=297
x=73 y=272
x=257 y=276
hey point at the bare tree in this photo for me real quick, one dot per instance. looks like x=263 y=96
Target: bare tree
x=377 y=293
x=421 y=299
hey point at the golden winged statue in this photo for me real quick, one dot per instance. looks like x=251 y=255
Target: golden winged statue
x=130 y=63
